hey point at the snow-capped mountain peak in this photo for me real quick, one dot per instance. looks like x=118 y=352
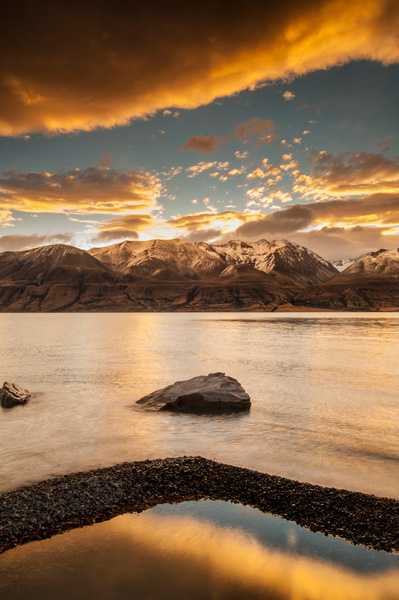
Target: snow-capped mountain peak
x=380 y=262
x=184 y=259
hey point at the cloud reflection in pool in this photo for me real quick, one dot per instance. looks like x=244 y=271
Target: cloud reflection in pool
x=172 y=554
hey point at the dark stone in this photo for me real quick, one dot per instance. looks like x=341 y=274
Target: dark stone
x=13 y=395
x=213 y=393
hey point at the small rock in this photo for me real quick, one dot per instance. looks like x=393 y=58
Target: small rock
x=213 y=393
x=13 y=395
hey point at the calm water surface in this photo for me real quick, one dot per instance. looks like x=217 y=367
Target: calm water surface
x=197 y=551
x=325 y=392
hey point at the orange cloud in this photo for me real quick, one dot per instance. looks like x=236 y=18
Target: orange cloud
x=335 y=228
x=257 y=173
x=199 y=168
x=380 y=209
x=94 y=66
x=260 y=130
x=6 y=217
x=124 y=227
x=218 y=221
x=269 y=172
x=203 y=143
x=350 y=174
x=92 y=190
x=288 y=95
x=241 y=154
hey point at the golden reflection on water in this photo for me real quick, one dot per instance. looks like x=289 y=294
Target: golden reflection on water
x=151 y=557
x=324 y=393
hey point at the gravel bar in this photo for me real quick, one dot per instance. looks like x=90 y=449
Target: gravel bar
x=50 y=507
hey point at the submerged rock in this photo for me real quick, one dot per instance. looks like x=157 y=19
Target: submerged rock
x=13 y=395
x=213 y=393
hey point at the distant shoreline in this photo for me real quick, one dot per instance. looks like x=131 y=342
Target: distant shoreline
x=44 y=509
x=279 y=309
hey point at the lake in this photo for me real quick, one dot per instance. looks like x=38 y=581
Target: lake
x=324 y=388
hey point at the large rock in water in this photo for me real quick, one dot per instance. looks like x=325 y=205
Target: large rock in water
x=13 y=395
x=213 y=393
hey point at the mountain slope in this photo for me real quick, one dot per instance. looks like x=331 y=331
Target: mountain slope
x=167 y=276
x=381 y=262
x=181 y=259
x=296 y=262
x=55 y=263
x=163 y=259
x=49 y=278
x=343 y=263
x=371 y=282
x=178 y=275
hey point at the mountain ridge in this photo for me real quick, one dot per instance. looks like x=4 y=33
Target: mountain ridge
x=201 y=259
x=170 y=275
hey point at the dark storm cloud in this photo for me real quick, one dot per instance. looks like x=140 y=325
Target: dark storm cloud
x=80 y=65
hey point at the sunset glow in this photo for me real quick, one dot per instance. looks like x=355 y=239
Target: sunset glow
x=199 y=299
x=223 y=126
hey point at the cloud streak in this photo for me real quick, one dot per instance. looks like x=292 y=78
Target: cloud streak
x=255 y=129
x=98 y=190
x=335 y=228
x=349 y=174
x=346 y=242
x=23 y=242
x=124 y=227
x=201 y=226
x=203 y=143
x=379 y=209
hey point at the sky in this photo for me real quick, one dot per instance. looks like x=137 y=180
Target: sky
x=138 y=121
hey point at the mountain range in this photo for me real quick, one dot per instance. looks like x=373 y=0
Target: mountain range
x=172 y=275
